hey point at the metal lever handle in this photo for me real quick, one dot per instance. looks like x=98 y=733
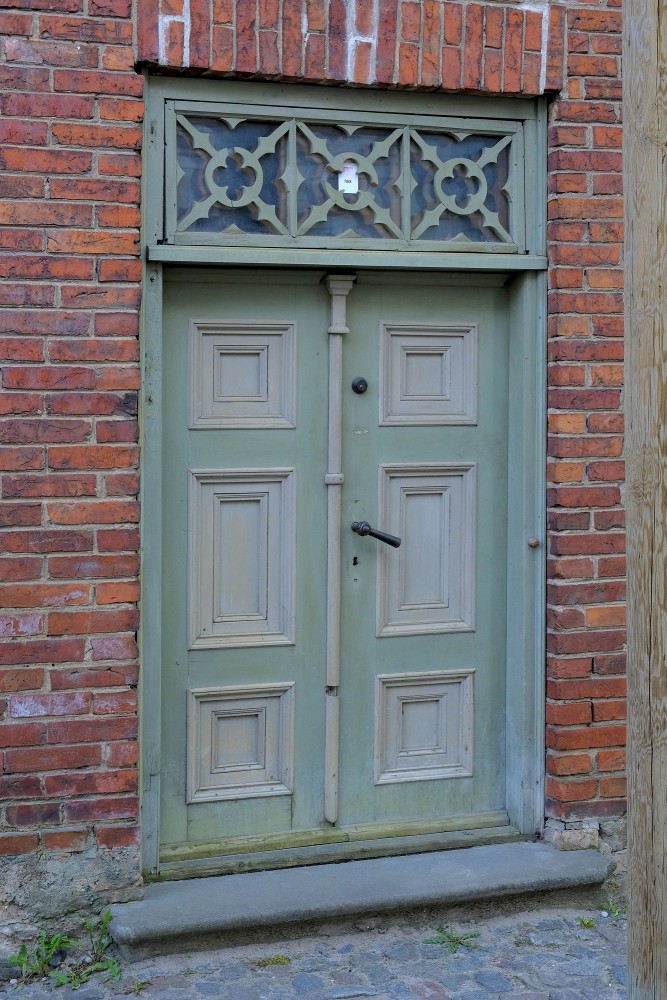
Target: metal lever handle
x=364 y=528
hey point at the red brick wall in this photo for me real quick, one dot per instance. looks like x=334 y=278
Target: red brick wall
x=70 y=161
x=70 y=138
x=586 y=568
x=470 y=47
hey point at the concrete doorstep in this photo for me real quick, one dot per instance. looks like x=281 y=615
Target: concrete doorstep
x=206 y=913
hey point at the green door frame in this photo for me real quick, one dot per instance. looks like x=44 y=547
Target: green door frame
x=526 y=599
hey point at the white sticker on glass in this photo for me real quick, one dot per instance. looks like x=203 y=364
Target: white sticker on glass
x=348 y=178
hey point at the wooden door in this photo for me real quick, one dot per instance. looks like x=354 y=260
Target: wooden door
x=244 y=571
x=423 y=625
x=261 y=751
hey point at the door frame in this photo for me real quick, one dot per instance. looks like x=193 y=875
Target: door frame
x=527 y=285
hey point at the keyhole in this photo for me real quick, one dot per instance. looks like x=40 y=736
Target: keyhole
x=355 y=561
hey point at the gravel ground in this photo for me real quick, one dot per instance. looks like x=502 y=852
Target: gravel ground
x=541 y=954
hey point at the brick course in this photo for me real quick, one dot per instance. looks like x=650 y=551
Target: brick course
x=70 y=165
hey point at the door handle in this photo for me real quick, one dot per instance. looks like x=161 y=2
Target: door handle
x=364 y=528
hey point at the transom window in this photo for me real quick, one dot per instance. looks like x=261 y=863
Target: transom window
x=260 y=176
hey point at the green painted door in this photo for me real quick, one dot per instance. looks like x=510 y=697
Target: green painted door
x=320 y=686
x=423 y=626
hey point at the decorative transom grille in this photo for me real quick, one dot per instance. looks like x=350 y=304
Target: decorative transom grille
x=291 y=181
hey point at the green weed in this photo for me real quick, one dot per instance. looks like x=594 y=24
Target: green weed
x=48 y=951
x=137 y=987
x=264 y=963
x=99 y=939
x=613 y=910
x=78 y=973
x=49 y=956
x=452 y=941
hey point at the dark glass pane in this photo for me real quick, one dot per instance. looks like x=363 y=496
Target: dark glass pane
x=229 y=179
x=322 y=210
x=459 y=187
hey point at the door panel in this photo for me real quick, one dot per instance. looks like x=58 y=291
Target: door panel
x=423 y=626
x=422 y=638
x=244 y=520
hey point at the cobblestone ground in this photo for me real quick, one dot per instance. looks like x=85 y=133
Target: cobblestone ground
x=544 y=954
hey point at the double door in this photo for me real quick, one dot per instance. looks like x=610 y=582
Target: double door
x=321 y=686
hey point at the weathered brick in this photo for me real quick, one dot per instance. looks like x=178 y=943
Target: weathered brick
x=117 y=836
x=17 y=843
x=84 y=731
x=52 y=758
x=42 y=651
x=64 y=840
x=47 y=595
x=91 y=783
x=21 y=679
x=67 y=678
x=108 y=807
x=571 y=790
x=92 y=622
x=20 y=515
x=93 y=457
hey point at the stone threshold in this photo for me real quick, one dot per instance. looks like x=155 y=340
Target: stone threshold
x=202 y=913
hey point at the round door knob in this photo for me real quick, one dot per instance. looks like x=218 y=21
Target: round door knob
x=359 y=385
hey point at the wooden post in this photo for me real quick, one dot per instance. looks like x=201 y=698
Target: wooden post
x=645 y=160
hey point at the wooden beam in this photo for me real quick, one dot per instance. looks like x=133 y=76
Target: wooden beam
x=645 y=152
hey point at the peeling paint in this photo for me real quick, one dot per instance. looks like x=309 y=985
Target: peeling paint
x=165 y=20
x=354 y=39
x=544 y=10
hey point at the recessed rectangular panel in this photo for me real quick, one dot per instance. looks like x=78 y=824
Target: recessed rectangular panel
x=425 y=579
x=421 y=728
x=242 y=375
x=427 y=585
x=240 y=742
x=240 y=585
x=241 y=549
x=424 y=726
x=428 y=374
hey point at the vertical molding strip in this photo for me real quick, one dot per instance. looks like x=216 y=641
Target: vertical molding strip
x=338 y=287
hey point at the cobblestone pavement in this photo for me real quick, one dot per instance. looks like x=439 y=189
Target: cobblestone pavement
x=542 y=954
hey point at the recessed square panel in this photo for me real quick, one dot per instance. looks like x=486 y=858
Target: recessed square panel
x=424 y=726
x=241 y=551
x=242 y=375
x=428 y=374
x=428 y=584
x=240 y=742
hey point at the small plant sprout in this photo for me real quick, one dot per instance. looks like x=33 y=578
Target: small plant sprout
x=137 y=987
x=452 y=941
x=99 y=939
x=612 y=910
x=264 y=963
x=586 y=922
x=48 y=952
x=78 y=973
